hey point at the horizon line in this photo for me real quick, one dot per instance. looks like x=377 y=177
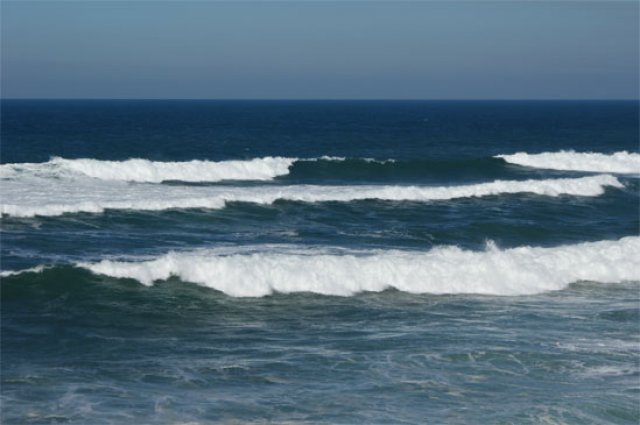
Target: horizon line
x=337 y=99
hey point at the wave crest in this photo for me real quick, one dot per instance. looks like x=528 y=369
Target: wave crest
x=51 y=198
x=146 y=171
x=444 y=270
x=619 y=162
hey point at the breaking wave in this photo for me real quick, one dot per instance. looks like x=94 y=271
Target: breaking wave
x=443 y=270
x=143 y=170
x=257 y=169
x=36 y=269
x=46 y=197
x=619 y=162
x=269 y=168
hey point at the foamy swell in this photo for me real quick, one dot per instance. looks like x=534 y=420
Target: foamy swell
x=446 y=270
x=619 y=162
x=47 y=197
x=36 y=269
x=143 y=170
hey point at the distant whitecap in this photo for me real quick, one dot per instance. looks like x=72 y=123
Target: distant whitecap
x=620 y=162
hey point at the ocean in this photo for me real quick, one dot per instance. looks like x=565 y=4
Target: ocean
x=320 y=262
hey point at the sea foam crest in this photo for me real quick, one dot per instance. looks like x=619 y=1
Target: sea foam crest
x=36 y=269
x=146 y=171
x=444 y=270
x=143 y=170
x=45 y=197
x=619 y=162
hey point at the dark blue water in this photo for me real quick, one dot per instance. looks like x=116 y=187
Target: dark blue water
x=418 y=303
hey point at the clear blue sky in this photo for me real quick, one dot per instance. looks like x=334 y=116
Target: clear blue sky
x=320 y=49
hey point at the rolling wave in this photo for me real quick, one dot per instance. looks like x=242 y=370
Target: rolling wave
x=145 y=171
x=619 y=162
x=46 y=197
x=36 y=269
x=269 y=168
x=257 y=169
x=443 y=270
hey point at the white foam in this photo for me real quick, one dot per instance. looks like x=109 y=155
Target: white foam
x=444 y=270
x=36 y=269
x=143 y=170
x=146 y=171
x=619 y=162
x=609 y=370
x=28 y=197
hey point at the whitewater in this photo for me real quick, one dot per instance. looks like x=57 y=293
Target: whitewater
x=257 y=271
x=378 y=262
x=443 y=270
x=619 y=162
x=268 y=168
x=33 y=196
x=144 y=170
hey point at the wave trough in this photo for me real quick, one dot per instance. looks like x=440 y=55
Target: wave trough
x=444 y=270
x=620 y=162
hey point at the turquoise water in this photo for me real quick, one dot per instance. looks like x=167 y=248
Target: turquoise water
x=388 y=268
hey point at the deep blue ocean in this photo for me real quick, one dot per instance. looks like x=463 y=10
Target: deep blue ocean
x=320 y=262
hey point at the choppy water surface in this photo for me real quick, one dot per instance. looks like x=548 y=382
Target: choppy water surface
x=320 y=262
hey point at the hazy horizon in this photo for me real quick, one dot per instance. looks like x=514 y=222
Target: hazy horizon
x=320 y=50
x=177 y=99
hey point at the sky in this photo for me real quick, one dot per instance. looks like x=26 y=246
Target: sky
x=320 y=49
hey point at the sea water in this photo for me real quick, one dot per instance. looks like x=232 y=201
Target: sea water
x=174 y=262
